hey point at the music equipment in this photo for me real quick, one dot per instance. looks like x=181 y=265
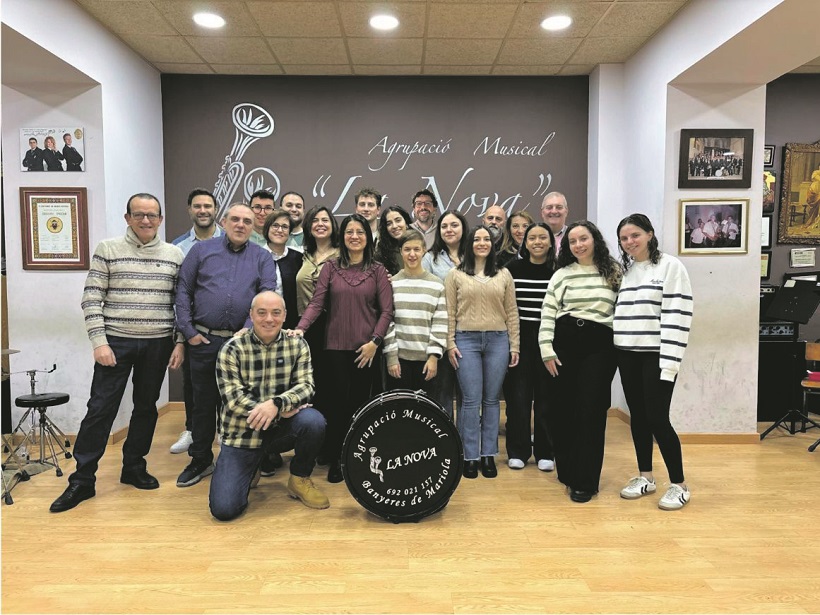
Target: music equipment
x=402 y=458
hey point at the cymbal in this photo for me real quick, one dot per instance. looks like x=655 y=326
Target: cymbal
x=9 y=351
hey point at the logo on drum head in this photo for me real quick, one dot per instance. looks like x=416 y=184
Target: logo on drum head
x=375 y=461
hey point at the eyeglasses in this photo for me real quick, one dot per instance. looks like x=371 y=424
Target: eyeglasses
x=423 y=203
x=259 y=209
x=280 y=227
x=141 y=216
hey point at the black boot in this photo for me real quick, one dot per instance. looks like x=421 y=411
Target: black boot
x=488 y=467
x=471 y=469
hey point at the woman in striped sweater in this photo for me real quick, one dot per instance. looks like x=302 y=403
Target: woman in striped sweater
x=576 y=346
x=417 y=336
x=525 y=387
x=652 y=320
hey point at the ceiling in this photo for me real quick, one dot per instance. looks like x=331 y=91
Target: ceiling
x=435 y=37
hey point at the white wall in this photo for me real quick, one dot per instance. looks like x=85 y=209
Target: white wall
x=122 y=117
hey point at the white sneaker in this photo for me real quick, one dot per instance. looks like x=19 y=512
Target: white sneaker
x=182 y=445
x=516 y=464
x=546 y=465
x=675 y=498
x=638 y=487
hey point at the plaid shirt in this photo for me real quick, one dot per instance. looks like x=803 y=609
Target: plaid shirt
x=249 y=372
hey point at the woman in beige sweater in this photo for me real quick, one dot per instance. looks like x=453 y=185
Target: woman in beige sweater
x=482 y=340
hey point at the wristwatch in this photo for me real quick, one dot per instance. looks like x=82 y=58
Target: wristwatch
x=376 y=340
x=279 y=403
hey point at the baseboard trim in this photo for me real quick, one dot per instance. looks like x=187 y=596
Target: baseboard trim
x=699 y=438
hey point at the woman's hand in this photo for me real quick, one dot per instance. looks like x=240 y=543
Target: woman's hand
x=365 y=354
x=513 y=359
x=552 y=366
x=394 y=371
x=430 y=368
x=296 y=333
x=454 y=355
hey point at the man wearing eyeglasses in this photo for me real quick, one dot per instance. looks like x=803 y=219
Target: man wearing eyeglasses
x=128 y=305
x=217 y=282
x=554 y=212
x=262 y=204
x=424 y=212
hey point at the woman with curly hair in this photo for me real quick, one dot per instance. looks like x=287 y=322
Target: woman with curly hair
x=576 y=346
x=392 y=224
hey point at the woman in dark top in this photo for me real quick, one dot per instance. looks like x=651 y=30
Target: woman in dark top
x=525 y=387
x=517 y=223
x=52 y=156
x=289 y=261
x=392 y=224
x=356 y=294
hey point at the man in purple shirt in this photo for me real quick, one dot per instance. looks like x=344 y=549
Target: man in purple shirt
x=217 y=282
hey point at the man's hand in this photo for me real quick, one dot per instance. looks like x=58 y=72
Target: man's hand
x=177 y=356
x=240 y=332
x=262 y=415
x=198 y=339
x=105 y=356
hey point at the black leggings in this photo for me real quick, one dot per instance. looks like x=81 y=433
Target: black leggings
x=649 y=399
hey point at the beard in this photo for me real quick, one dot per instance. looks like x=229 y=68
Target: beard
x=495 y=233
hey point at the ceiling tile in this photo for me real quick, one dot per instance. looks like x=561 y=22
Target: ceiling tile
x=244 y=50
x=356 y=15
x=247 y=69
x=636 y=19
x=134 y=16
x=169 y=49
x=296 y=18
x=538 y=51
x=183 y=69
x=576 y=69
x=318 y=69
x=381 y=69
x=461 y=51
x=309 y=50
x=378 y=51
x=550 y=69
x=606 y=50
x=456 y=70
x=469 y=20
x=238 y=21
x=584 y=16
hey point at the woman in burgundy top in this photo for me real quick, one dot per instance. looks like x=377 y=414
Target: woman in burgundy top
x=356 y=293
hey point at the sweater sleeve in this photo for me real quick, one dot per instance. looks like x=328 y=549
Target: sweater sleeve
x=384 y=292
x=676 y=319
x=438 y=329
x=549 y=309
x=94 y=293
x=511 y=307
x=451 y=299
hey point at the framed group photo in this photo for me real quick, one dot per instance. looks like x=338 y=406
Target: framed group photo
x=713 y=226
x=54 y=225
x=715 y=158
x=800 y=194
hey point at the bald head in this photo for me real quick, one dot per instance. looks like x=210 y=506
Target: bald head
x=267 y=315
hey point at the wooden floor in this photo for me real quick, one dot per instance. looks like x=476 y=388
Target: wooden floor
x=747 y=543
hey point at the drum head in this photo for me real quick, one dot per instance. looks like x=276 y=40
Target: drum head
x=402 y=458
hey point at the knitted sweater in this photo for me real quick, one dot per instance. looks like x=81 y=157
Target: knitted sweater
x=473 y=305
x=419 y=326
x=129 y=290
x=654 y=312
x=579 y=291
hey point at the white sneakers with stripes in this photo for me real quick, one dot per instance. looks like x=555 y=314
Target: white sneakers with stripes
x=675 y=498
x=638 y=487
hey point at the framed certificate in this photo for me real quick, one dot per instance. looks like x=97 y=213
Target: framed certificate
x=54 y=223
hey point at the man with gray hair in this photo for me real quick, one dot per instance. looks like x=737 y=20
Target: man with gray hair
x=554 y=212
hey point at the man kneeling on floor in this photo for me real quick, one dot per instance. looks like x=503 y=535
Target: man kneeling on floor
x=265 y=380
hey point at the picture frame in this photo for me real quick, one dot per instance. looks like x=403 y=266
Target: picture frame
x=713 y=226
x=715 y=158
x=769 y=191
x=766 y=233
x=799 y=220
x=765 y=265
x=54 y=225
x=52 y=148
x=768 y=155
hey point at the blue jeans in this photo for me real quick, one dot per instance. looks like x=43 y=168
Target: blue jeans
x=482 y=366
x=235 y=466
x=148 y=360
x=207 y=401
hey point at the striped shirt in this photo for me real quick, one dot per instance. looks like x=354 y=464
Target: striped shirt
x=531 y=283
x=654 y=312
x=248 y=372
x=129 y=290
x=579 y=291
x=419 y=327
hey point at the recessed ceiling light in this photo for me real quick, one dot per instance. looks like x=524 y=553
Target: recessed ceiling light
x=209 y=20
x=556 y=22
x=384 y=22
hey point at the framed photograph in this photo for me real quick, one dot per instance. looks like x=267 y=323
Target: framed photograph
x=800 y=194
x=58 y=148
x=768 y=155
x=713 y=226
x=54 y=224
x=766 y=233
x=716 y=158
x=769 y=181
x=765 y=265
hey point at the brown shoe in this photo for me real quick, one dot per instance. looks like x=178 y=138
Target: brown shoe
x=256 y=476
x=302 y=488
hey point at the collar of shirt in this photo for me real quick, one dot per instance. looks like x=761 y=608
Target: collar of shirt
x=228 y=245
x=256 y=340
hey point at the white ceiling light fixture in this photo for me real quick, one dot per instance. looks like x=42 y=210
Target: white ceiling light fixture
x=209 y=20
x=556 y=22
x=384 y=22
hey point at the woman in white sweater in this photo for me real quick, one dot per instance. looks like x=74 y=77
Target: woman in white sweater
x=652 y=320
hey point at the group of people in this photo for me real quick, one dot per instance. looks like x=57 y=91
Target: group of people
x=715 y=165
x=713 y=233
x=285 y=323
x=49 y=158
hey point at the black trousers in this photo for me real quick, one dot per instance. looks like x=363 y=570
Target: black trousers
x=412 y=378
x=581 y=395
x=350 y=390
x=649 y=399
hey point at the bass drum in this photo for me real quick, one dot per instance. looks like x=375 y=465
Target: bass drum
x=402 y=458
